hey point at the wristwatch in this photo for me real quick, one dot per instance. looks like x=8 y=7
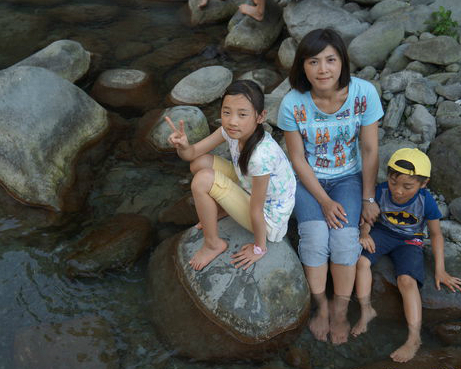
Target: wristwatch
x=371 y=200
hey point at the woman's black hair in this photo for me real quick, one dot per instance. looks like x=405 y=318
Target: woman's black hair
x=312 y=44
x=255 y=96
x=405 y=165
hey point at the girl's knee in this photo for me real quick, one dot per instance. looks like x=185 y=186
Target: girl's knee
x=203 y=180
x=202 y=162
x=406 y=281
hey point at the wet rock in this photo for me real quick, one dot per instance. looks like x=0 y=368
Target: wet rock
x=86 y=341
x=36 y=2
x=441 y=50
x=115 y=244
x=445 y=155
x=422 y=122
x=249 y=35
x=449 y=333
x=286 y=53
x=215 y=11
x=67 y=58
x=455 y=209
x=445 y=358
x=374 y=45
x=131 y=49
x=45 y=122
x=202 y=86
x=195 y=125
x=84 y=13
x=265 y=78
x=448 y=115
x=397 y=82
x=125 y=90
x=385 y=7
x=301 y=17
x=394 y=111
x=223 y=312
x=450 y=92
x=421 y=91
x=297 y=357
x=181 y=212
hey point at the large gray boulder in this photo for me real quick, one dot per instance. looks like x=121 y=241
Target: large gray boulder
x=249 y=35
x=224 y=312
x=445 y=155
x=302 y=17
x=67 y=58
x=202 y=86
x=413 y=18
x=441 y=50
x=45 y=122
x=374 y=45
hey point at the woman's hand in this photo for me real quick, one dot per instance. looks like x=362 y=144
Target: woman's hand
x=334 y=213
x=178 y=139
x=246 y=256
x=367 y=243
x=370 y=212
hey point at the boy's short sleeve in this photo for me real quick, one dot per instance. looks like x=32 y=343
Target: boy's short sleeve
x=431 y=210
x=374 y=110
x=379 y=191
x=285 y=119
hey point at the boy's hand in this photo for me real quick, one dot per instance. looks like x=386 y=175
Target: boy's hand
x=367 y=243
x=246 y=256
x=178 y=139
x=452 y=283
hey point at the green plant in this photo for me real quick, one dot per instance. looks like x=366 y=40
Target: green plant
x=442 y=24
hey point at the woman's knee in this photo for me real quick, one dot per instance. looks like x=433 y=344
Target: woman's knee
x=203 y=180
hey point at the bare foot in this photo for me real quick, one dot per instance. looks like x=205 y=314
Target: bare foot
x=339 y=331
x=202 y=4
x=320 y=326
x=221 y=214
x=361 y=326
x=252 y=11
x=207 y=253
x=407 y=351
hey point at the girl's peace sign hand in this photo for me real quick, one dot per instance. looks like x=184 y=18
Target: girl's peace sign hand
x=178 y=139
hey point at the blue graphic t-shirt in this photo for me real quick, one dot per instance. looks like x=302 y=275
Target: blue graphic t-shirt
x=331 y=140
x=407 y=219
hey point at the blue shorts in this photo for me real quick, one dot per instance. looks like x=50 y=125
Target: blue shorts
x=318 y=243
x=406 y=253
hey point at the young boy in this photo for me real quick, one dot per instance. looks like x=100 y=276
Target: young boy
x=406 y=206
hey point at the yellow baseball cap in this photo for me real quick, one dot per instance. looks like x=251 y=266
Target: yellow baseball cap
x=416 y=157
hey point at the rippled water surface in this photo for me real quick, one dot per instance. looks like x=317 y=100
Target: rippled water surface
x=33 y=286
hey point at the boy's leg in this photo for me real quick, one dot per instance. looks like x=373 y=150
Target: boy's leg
x=207 y=211
x=363 y=281
x=256 y=12
x=408 y=287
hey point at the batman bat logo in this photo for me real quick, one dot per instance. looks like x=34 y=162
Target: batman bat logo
x=400 y=217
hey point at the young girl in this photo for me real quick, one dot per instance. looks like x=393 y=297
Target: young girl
x=336 y=176
x=257 y=189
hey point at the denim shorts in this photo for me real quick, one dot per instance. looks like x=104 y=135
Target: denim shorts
x=318 y=243
x=406 y=253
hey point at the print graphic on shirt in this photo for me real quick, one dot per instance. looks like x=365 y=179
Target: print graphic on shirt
x=319 y=117
x=344 y=114
x=299 y=114
x=321 y=147
x=360 y=106
x=296 y=114
x=303 y=114
x=401 y=217
x=355 y=135
x=304 y=135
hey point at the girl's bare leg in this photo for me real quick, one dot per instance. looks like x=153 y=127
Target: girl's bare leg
x=408 y=287
x=343 y=282
x=256 y=12
x=207 y=211
x=317 y=278
x=363 y=281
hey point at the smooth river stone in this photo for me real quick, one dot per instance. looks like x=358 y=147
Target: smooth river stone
x=222 y=312
x=202 y=86
x=45 y=122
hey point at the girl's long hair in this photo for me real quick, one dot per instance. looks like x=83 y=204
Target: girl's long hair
x=255 y=96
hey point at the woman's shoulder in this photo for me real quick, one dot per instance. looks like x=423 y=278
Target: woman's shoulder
x=293 y=95
x=361 y=85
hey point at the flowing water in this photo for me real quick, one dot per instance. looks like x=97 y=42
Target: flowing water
x=33 y=287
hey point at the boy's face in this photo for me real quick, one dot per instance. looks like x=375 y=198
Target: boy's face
x=403 y=187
